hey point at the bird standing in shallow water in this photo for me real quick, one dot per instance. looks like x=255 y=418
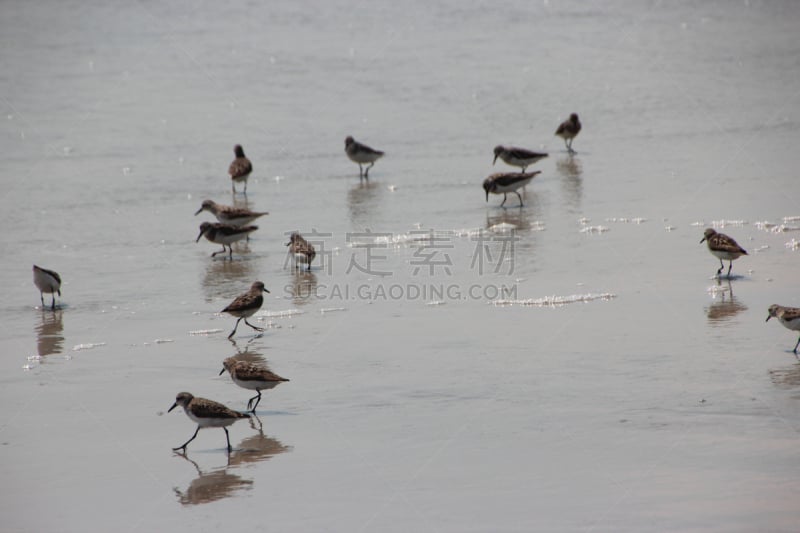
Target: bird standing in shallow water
x=506 y=182
x=789 y=317
x=207 y=414
x=47 y=281
x=722 y=247
x=251 y=377
x=245 y=305
x=224 y=234
x=302 y=250
x=568 y=130
x=240 y=168
x=361 y=154
x=226 y=214
x=517 y=157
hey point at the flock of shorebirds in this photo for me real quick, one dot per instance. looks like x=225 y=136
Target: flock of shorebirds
x=233 y=224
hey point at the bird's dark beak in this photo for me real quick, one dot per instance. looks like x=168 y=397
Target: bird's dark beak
x=288 y=243
x=265 y=290
x=221 y=371
x=198 y=237
x=495 y=159
x=487 y=195
x=768 y=317
x=198 y=211
x=174 y=405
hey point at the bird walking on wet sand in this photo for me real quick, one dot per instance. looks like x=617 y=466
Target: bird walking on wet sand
x=245 y=305
x=252 y=377
x=568 y=130
x=227 y=214
x=361 y=154
x=47 y=281
x=517 y=157
x=224 y=234
x=240 y=168
x=506 y=182
x=789 y=317
x=207 y=414
x=301 y=250
x=722 y=247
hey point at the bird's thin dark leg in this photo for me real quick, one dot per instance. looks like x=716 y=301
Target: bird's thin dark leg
x=366 y=174
x=233 y=187
x=730 y=266
x=234 y=328
x=228 y=438
x=230 y=251
x=183 y=446
x=41 y=297
x=360 y=171
x=721 y=267
x=796 y=345
x=518 y=196
x=252 y=326
x=257 y=399
x=53 y=303
x=245 y=186
x=219 y=251
x=505 y=197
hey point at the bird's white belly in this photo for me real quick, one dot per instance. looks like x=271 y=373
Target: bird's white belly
x=211 y=422
x=791 y=324
x=727 y=256
x=45 y=282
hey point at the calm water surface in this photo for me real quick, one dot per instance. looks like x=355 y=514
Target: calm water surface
x=432 y=388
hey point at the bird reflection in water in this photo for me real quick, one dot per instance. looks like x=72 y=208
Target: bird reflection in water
x=258 y=447
x=725 y=307
x=225 y=279
x=210 y=486
x=571 y=170
x=303 y=287
x=519 y=220
x=219 y=483
x=786 y=378
x=49 y=333
x=361 y=201
x=248 y=352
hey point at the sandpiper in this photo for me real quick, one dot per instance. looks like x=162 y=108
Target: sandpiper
x=361 y=154
x=506 y=182
x=789 y=317
x=722 y=247
x=568 y=130
x=246 y=305
x=224 y=234
x=47 y=281
x=207 y=414
x=227 y=214
x=517 y=157
x=240 y=168
x=251 y=377
x=302 y=250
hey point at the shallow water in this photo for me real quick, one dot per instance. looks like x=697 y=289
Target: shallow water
x=570 y=365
